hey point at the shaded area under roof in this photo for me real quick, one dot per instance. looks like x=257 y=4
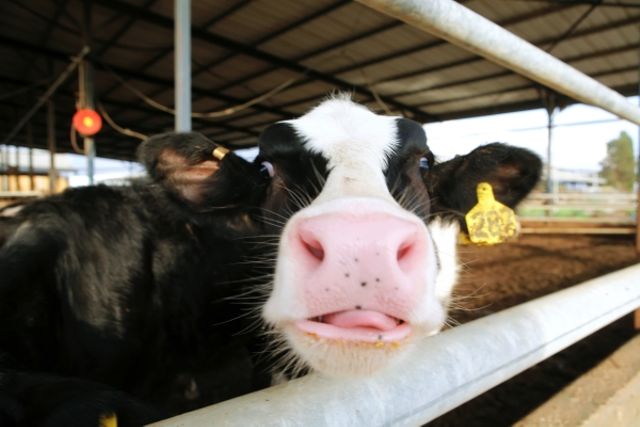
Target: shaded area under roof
x=245 y=49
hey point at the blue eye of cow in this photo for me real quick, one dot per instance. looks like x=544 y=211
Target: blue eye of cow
x=267 y=169
x=424 y=163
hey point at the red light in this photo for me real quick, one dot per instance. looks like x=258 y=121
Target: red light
x=87 y=122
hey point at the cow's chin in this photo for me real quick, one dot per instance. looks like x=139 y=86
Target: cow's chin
x=347 y=358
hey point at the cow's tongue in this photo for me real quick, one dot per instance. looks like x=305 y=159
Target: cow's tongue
x=362 y=319
x=357 y=325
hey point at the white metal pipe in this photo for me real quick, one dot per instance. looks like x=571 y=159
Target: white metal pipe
x=182 y=59
x=443 y=372
x=457 y=24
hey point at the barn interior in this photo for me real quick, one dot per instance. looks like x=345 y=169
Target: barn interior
x=254 y=62
x=257 y=62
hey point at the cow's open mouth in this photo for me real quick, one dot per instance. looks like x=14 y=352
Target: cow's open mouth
x=357 y=325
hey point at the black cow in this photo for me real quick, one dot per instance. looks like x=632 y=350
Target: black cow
x=118 y=284
x=340 y=236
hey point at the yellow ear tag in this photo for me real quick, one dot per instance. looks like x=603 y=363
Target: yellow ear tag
x=108 y=421
x=490 y=222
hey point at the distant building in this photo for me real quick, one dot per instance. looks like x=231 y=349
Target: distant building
x=576 y=180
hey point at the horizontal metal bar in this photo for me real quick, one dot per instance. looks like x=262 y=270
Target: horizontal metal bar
x=461 y=26
x=443 y=371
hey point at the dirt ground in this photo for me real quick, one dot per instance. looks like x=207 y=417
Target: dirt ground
x=498 y=277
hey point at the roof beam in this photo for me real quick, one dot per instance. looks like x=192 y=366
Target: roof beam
x=143 y=109
x=268 y=37
x=447 y=19
x=386 y=57
x=205 y=67
x=336 y=45
x=227 y=43
x=136 y=75
x=102 y=49
x=164 y=52
x=430 y=45
x=475 y=59
x=569 y=60
x=521 y=87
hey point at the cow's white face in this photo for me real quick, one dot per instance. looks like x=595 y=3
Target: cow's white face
x=359 y=276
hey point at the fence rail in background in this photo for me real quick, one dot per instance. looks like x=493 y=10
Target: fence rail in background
x=447 y=369
x=612 y=206
x=9 y=197
x=576 y=226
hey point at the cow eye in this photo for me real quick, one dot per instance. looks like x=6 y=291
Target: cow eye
x=266 y=168
x=424 y=163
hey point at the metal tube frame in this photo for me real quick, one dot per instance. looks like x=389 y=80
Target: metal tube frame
x=443 y=371
x=183 y=65
x=455 y=23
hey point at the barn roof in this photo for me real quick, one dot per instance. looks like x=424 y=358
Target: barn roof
x=273 y=60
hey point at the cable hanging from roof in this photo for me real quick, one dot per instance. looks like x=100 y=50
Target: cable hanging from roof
x=202 y=115
x=118 y=128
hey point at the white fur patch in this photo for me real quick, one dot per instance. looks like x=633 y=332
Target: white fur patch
x=356 y=142
x=445 y=238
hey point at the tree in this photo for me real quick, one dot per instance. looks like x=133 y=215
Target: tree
x=619 y=167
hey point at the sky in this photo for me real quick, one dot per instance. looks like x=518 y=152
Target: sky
x=579 y=140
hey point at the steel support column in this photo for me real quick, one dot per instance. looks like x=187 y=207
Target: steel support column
x=51 y=145
x=636 y=315
x=87 y=96
x=182 y=59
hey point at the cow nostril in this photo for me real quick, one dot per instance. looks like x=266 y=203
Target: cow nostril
x=314 y=248
x=404 y=250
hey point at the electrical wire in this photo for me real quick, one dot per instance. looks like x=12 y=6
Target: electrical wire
x=74 y=141
x=203 y=115
x=118 y=128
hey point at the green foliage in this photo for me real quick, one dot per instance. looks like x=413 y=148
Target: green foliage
x=619 y=167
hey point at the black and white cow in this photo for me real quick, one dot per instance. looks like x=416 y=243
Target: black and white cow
x=367 y=267
x=121 y=300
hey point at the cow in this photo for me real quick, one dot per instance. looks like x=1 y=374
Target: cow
x=333 y=251
x=104 y=288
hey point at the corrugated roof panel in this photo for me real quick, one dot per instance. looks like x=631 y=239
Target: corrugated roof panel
x=355 y=53
x=256 y=120
x=472 y=69
x=424 y=59
x=262 y=17
x=272 y=80
x=627 y=78
x=427 y=98
x=322 y=32
x=26 y=21
x=201 y=10
x=238 y=66
x=486 y=101
x=497 y=12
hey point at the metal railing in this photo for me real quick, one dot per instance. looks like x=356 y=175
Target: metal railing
x=443 y=371
x=448 y=369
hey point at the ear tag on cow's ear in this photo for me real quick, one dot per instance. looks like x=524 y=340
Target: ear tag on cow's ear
x=108 y=421
x=219 y=152
x=490 y=222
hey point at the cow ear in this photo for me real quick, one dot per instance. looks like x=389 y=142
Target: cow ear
x=512 y=172
x=199 y=171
